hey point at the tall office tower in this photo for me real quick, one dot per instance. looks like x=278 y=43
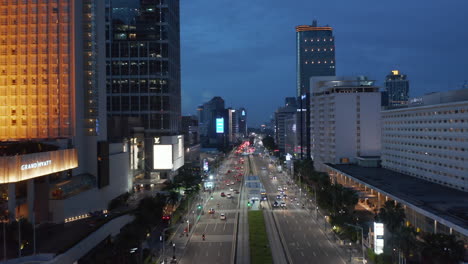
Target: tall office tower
x=52 y=118
x=345 y=118
x=315 y=49
x=242 y=114
x=232 y=125
x=212 y=113
x=284 y=116
x=428 y=141
x=143 y=75
x=397 y=88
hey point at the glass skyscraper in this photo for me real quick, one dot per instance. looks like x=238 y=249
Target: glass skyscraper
x=315 y=47
x=143 y=66
x=315 y=56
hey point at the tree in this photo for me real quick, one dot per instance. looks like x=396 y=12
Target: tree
x=269 y=143
x=392 y=215
x=405 y=240
x=441 y=248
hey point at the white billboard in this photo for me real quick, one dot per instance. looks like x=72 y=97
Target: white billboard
x=220 y=125
x=162 y=157
x=378 y=238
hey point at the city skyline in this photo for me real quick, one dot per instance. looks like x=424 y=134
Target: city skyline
x=397 y=38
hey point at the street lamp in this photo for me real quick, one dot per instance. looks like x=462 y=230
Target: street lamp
x=362 y=240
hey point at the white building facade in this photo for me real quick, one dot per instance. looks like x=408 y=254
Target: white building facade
x=429 y=141
x=345 y=120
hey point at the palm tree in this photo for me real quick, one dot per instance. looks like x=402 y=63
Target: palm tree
x=441 y=248
x=392 y=215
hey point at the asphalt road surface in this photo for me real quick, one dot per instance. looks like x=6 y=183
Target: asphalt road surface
x=305 y=240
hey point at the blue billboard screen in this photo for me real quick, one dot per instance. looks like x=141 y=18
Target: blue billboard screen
x=219 y=125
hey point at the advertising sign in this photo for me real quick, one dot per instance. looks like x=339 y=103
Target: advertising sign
x=378 y=238
x=162 y=157
x=220 y=125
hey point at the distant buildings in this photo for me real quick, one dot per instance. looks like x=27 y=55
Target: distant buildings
x=396 y=89
x=143 y=79
x=315 y=56
x=429 y=141
x=221 y=127
x=345 y=120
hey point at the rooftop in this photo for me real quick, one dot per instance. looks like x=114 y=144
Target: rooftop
x=447 y=204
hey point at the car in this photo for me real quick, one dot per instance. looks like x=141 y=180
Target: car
x=283 y=204
x=231 y=189
x=223 y=195
x=222 y=217
x=263 y=168
x=166 y=217
x=278 y=197
x=227 y=184
x=211 y=211
x=285 y=196
x=280 y=189
x=236 y=191
x=232 y=182
x=229 y=171
x=275 y=204
x=228 y=195
x=285 y=187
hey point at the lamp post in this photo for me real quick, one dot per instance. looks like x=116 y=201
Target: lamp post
x=362 y=240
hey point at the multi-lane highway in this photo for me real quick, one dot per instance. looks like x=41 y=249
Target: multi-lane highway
x=220 y=234
x=303 y=236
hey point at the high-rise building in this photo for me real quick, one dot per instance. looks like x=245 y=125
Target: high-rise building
x=345 y=120
x=283 y=118
x=232 y=125
x=315 y=47
x=397 y=89
x=242 y=114
x=52 y=113
x=212 y=130
x=315 y=56
x=428 y=141
x=143 y=75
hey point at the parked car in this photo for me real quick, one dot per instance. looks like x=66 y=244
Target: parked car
x=222 y=217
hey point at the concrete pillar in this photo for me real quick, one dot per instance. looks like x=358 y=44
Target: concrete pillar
x=12 y=201
x=30 y=199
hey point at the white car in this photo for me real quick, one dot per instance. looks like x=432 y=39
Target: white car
x=231 y=189
x=228 y=195
x=222 y=217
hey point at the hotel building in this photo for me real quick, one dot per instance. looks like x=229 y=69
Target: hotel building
x=429 y=140
x=52 y=111
x=345 y=119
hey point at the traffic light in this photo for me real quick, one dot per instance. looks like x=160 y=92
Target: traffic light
x=199 y=207
x=211 y=197
x=249 y=204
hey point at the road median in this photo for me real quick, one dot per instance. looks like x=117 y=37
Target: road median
x=260 y=251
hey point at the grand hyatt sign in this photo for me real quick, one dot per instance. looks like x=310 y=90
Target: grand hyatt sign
x=24 y=167
x=36 y=164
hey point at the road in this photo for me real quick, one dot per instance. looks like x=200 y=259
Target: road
x=306 y=241
x=220 y=235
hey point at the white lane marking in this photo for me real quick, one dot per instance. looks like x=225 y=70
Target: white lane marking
x=302 y=253
x=206 y=253
x=224 y=228
x=297 y=244
x=300 y=228
x=308 y=244
x=325 y=253
x=214 y=229
x=206 y=227
x=330 y=243
x=320 y=245
x=287 y=221
x=304 y=235
x=313 y=252
x=219 y=253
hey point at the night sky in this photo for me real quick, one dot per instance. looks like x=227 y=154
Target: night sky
x=244 y=51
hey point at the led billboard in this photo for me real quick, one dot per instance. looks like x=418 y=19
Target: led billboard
x=162 y=157
x=378 y=238
x=220 y=125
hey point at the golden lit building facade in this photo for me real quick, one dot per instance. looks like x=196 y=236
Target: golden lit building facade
x=36 y=69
